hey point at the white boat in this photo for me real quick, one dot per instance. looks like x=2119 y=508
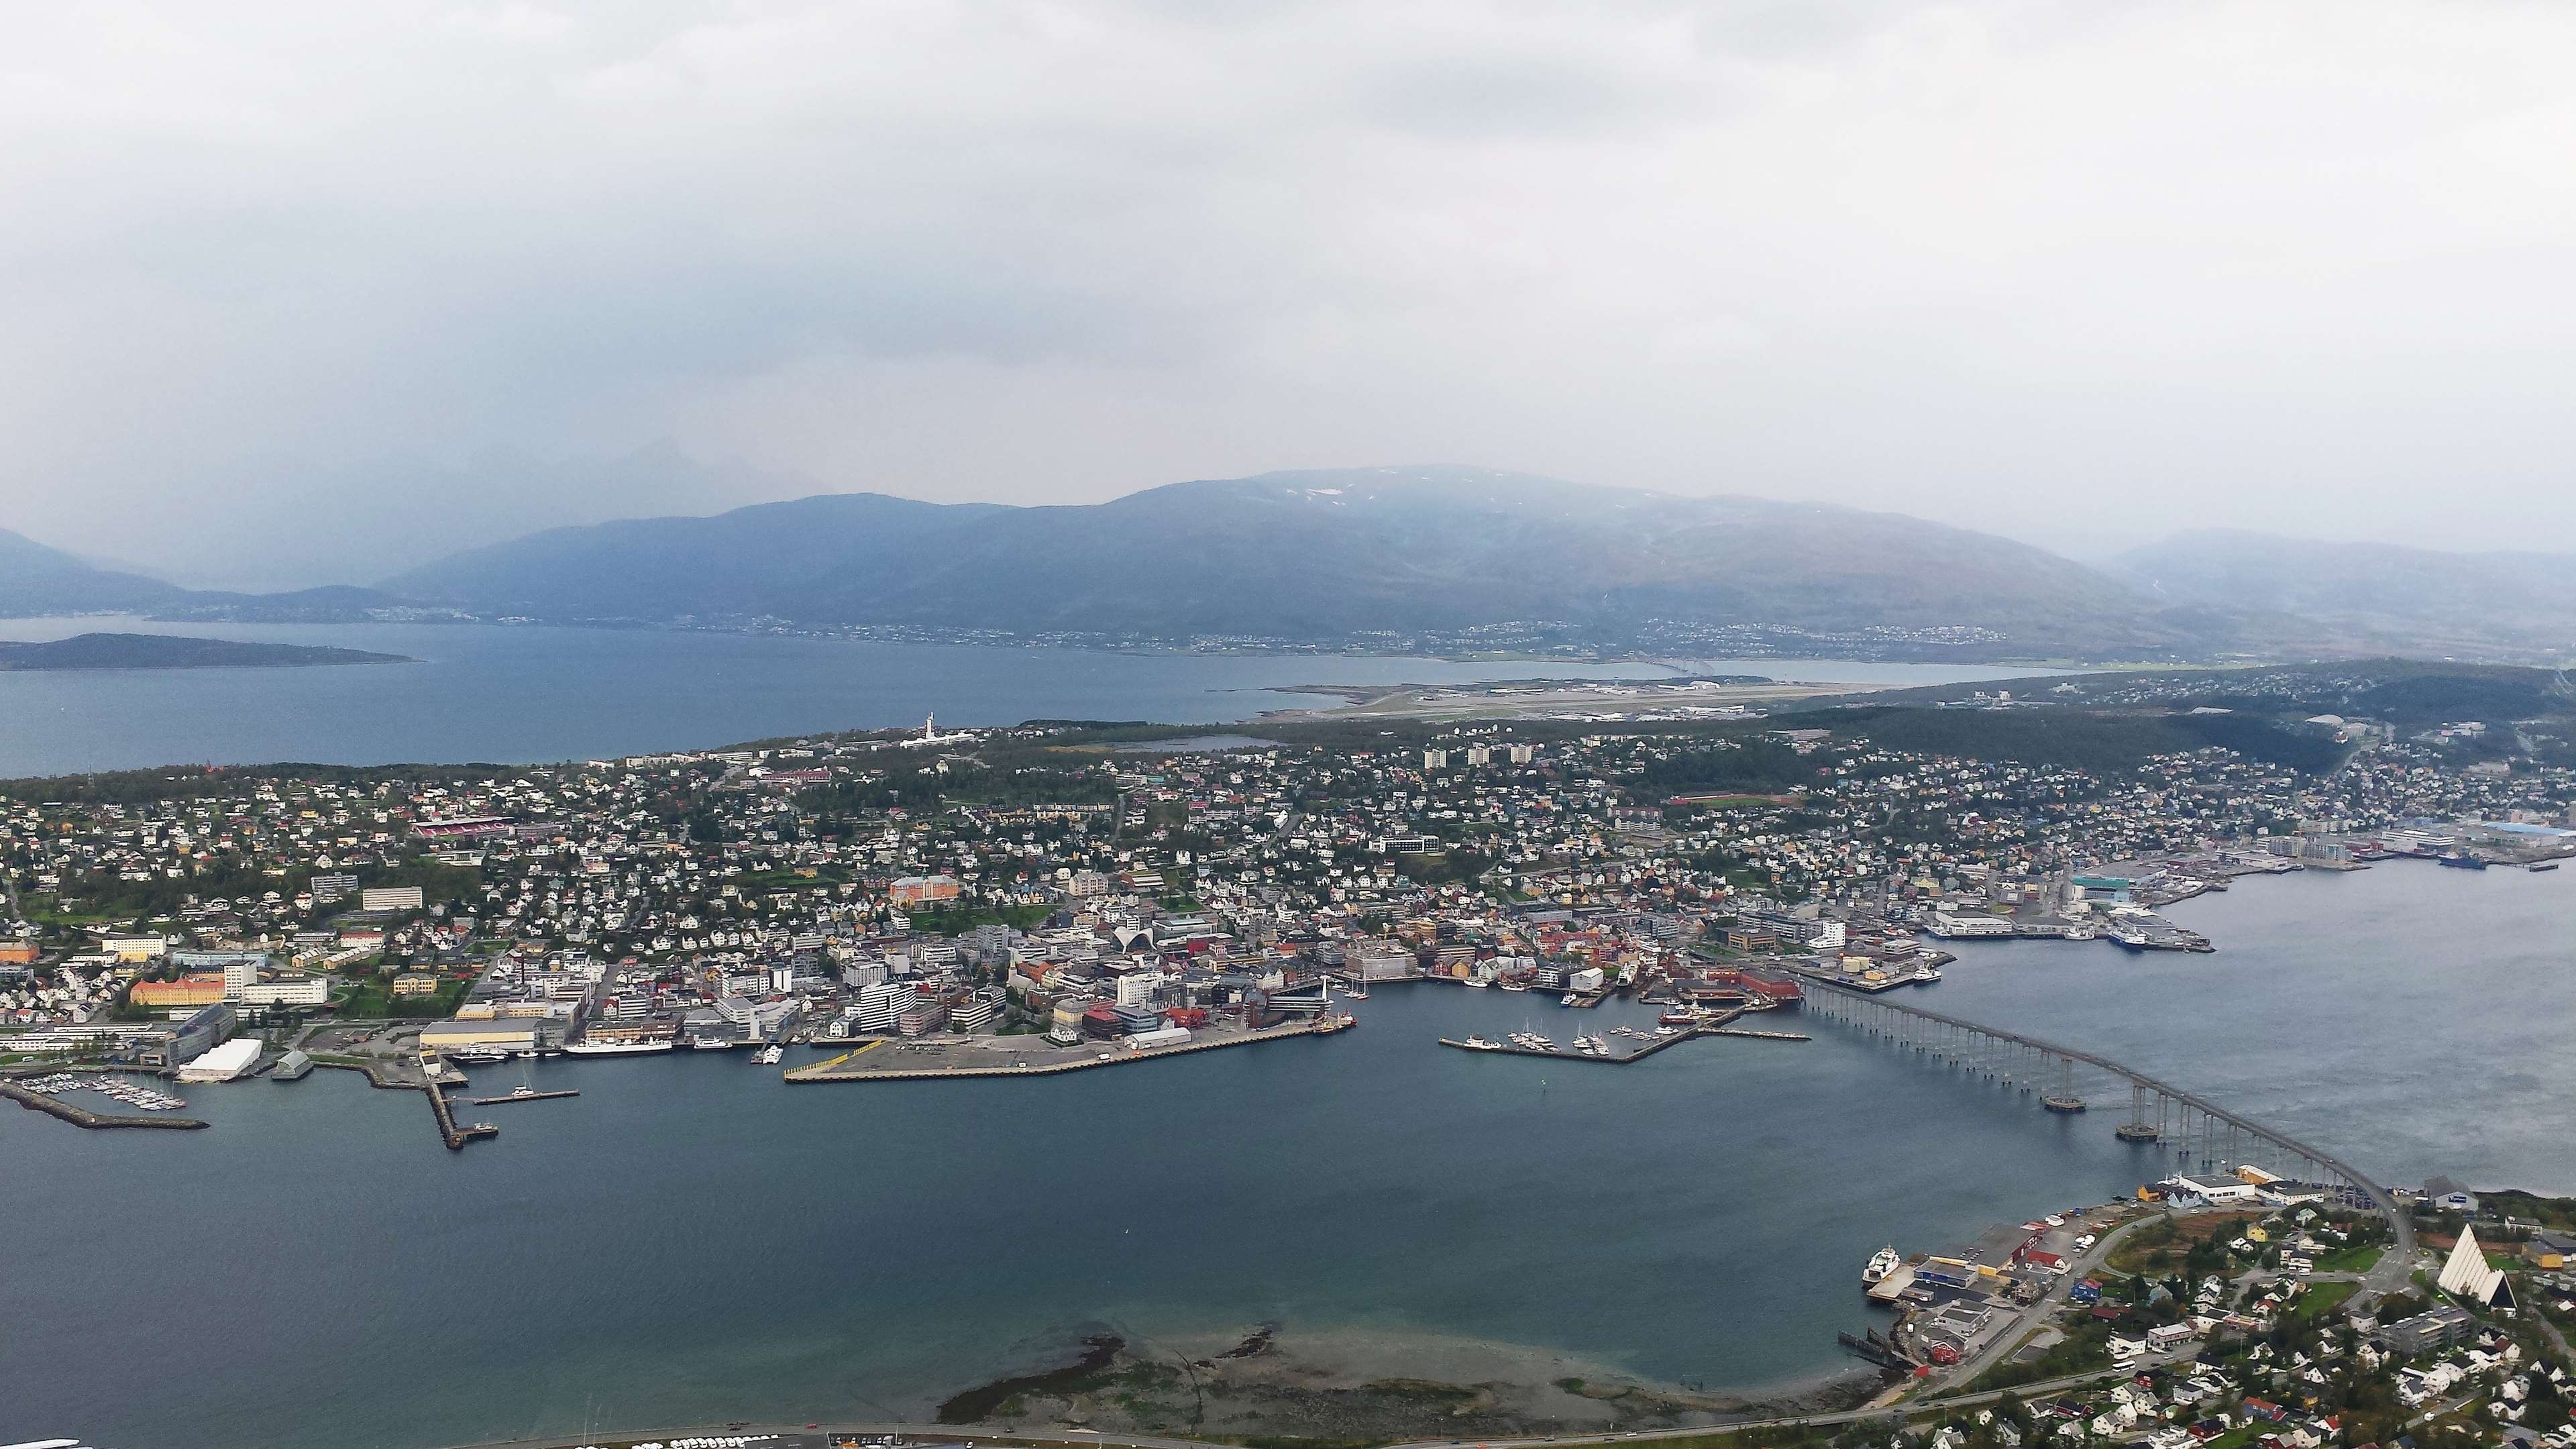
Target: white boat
x=770 y=1055
x=1570 y=999
x=1479 y=1044
x=617 y=1048
x=1478 y=984
x=1881 y=1263
x=1514 y=985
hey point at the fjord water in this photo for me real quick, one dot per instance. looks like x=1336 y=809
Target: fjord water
x=692 y=1240
x=2414 y=1020
x=519 y=694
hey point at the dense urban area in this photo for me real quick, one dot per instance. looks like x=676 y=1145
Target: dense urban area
x=1063 y=896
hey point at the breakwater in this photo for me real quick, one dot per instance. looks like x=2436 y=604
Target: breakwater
x=83 y=1117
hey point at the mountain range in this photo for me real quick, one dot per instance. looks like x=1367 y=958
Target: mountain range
x=1428 y=557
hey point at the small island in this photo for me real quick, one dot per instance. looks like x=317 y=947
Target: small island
x=174 y=651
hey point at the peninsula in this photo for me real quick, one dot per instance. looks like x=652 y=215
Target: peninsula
x=175 y=651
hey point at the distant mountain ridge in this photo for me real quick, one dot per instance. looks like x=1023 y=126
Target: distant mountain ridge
x=1316 y=556
x=2367 y=597
x=1433 y=558
x=36 y=580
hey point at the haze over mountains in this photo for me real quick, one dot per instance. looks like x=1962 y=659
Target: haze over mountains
x=1433 y=557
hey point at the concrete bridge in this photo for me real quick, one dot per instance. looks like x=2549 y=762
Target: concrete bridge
x=2203 y=1135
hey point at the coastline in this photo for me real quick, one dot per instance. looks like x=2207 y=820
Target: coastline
x=1359 y=1380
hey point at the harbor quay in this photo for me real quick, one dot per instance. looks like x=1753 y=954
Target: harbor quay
x=938 y=1059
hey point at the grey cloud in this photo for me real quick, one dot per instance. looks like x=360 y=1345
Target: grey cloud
x=2070 y=272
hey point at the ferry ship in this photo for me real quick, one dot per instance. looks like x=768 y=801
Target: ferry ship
x=1881 y=1263
x=617 y=1048
x=770 y=1055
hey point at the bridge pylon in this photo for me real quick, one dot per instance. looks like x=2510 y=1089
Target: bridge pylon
x=2138 y=1128
x=2060 y=1096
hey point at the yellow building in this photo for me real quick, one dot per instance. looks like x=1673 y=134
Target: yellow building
x=197 y=988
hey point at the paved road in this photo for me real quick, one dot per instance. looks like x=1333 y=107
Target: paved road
x=2395 y=1266
x=2037 y=1314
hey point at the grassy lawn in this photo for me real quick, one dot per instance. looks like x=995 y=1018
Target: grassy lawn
x=2161 y=1249
x=2321 y=1300
x=372 y=1001
x=2086 y=1349
x=2352 y=1260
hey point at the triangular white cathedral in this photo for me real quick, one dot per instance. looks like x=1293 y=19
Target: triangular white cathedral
x=2468 y=1275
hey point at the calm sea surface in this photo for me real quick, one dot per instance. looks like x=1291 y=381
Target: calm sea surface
x=691 y=1240
x=2414 y=1020
x=511 y=695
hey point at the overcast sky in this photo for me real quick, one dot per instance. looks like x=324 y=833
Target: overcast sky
x=303 y=291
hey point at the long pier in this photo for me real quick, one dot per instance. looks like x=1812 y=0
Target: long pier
x=1510 y=1049
x=2201 y=1131
x=1716 y=1026
x=839 y=1069
x=454 y=1136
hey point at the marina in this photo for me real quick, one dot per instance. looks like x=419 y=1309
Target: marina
x=34 y=1099
x=1593 y=1048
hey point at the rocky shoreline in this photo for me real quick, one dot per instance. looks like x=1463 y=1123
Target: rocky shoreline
x=1361 y=1384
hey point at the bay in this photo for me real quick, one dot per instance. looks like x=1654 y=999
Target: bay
x=692 y=1240
x=521 y=694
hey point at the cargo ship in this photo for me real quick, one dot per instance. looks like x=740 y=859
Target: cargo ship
x=2462 y=860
